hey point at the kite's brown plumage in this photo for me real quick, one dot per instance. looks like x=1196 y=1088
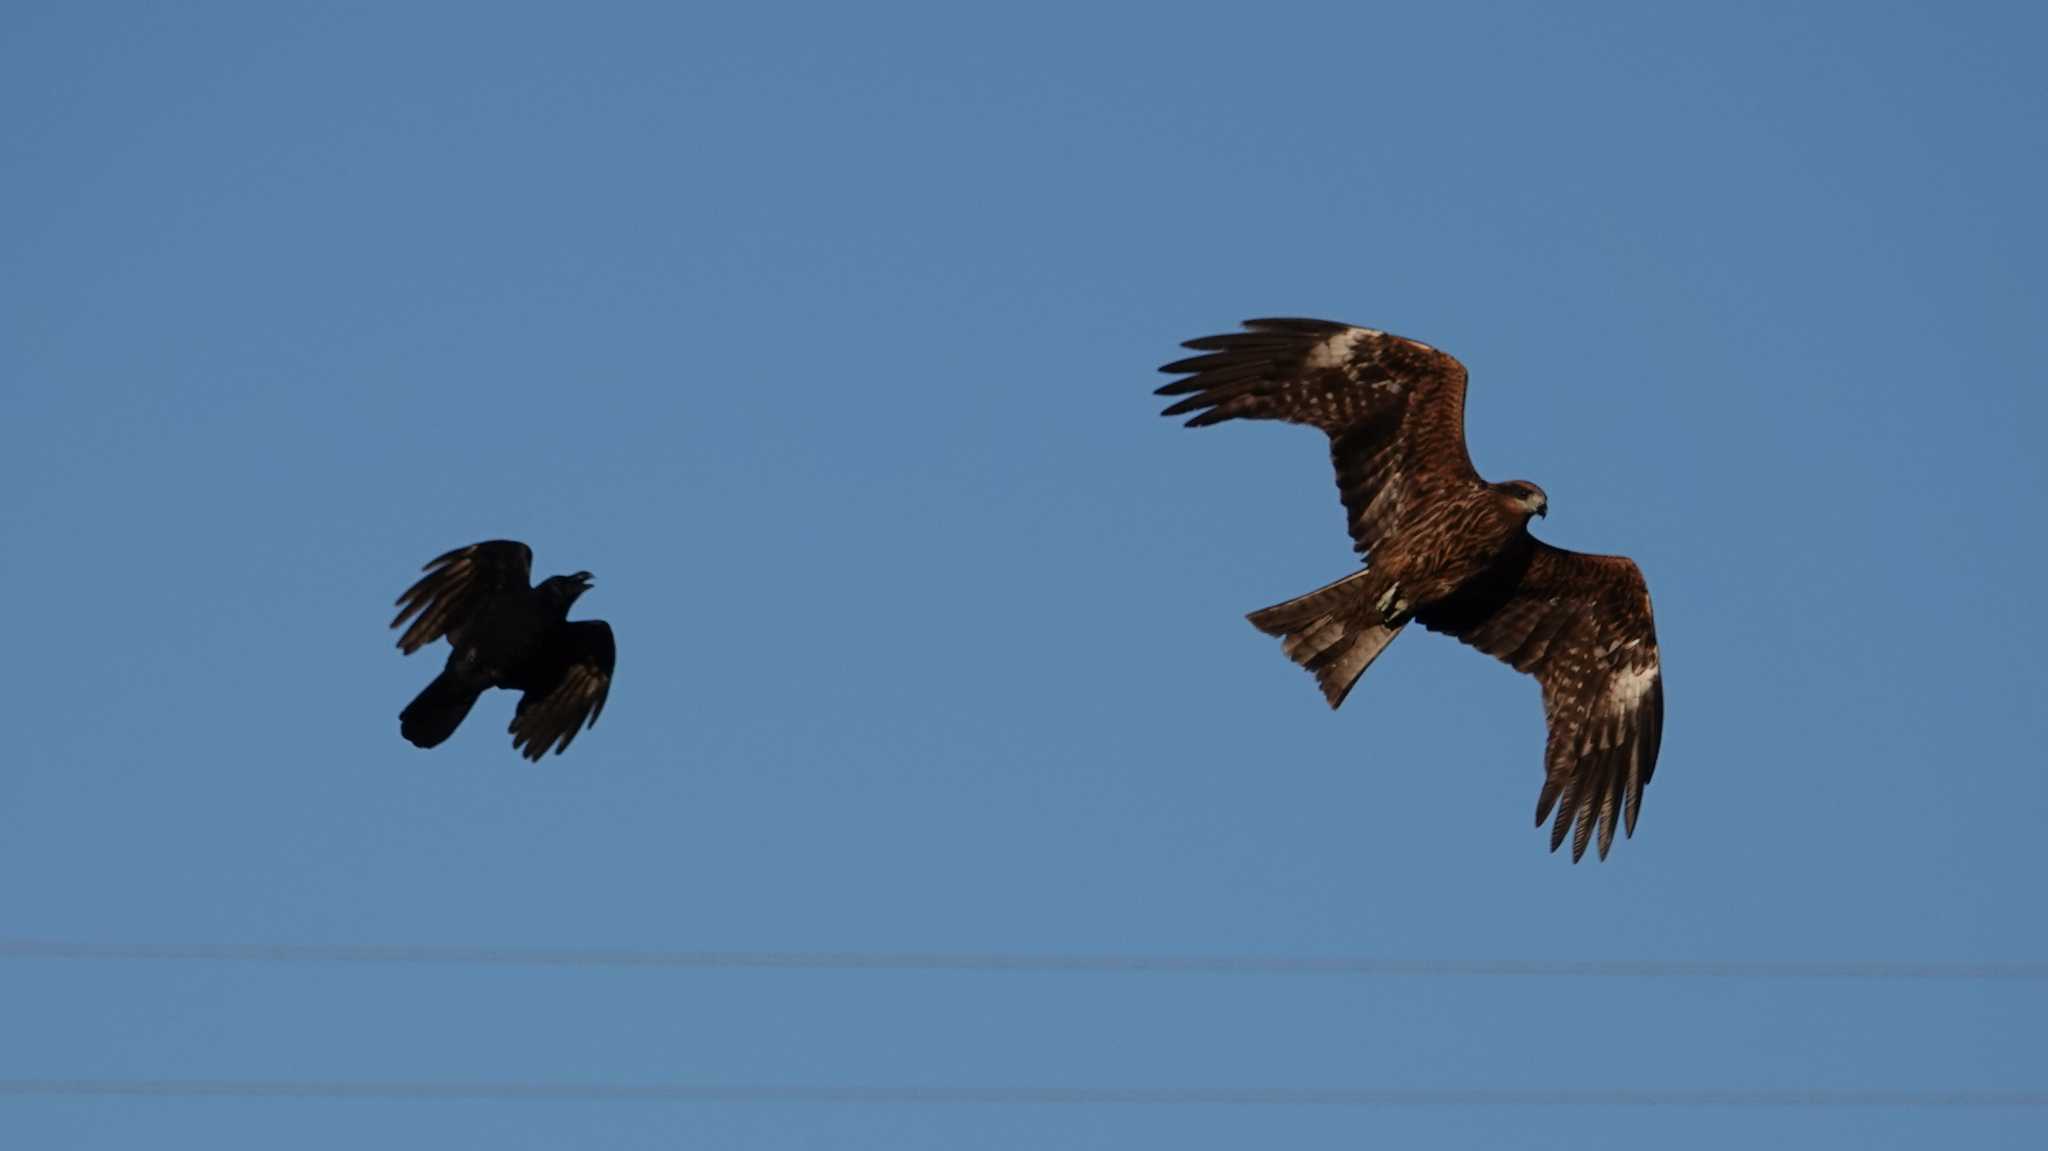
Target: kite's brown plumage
x=1448 y=550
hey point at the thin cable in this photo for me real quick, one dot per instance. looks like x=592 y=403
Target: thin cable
x=1115 y=1096
x=1040 y=963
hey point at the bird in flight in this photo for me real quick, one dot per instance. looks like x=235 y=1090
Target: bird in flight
x=1446 y=549
x=504 y=633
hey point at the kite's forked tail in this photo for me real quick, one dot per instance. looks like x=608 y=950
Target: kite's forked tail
x=1332 y=631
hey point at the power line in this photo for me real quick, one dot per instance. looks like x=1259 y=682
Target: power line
x=1024 y=963
x=1114 y=1096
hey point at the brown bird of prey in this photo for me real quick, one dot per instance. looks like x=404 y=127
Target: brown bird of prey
x=504 y=633
x=1448 y=550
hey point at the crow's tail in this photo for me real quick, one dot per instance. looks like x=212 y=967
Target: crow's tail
x=435 y=713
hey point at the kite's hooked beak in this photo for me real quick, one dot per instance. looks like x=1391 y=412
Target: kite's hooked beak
x=1543 y=510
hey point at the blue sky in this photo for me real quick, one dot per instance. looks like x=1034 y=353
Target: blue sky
x=826 y=340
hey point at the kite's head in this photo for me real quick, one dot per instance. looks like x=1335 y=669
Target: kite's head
x=1525 y=497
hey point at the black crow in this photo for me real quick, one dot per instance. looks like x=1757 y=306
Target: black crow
x=505 y=633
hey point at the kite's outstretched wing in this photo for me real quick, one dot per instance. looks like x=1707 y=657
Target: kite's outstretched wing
x=1581 y=624
x=1394 y=409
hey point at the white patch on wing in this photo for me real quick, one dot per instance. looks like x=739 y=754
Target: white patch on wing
x=1628 y=687
x=1335 y=352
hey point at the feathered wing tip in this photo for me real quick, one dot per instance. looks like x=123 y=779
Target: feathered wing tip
x=552 y=716
x=572 y=708
x=1259 y=335
x=413 y=597
x=1583 y=803
x=1329 y=631
x=1602 y=785
x=1230 y=379
x=419 y=599
x=453 y=582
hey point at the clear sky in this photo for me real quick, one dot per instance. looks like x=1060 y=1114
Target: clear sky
x=825 y=339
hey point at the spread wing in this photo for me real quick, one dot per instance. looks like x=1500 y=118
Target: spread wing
x=456 y=584
x=569 y=690
x=1394 y=409
x=1581 y=624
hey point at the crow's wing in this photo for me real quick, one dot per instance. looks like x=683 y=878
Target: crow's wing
x=456 y=584
x=567 y=689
